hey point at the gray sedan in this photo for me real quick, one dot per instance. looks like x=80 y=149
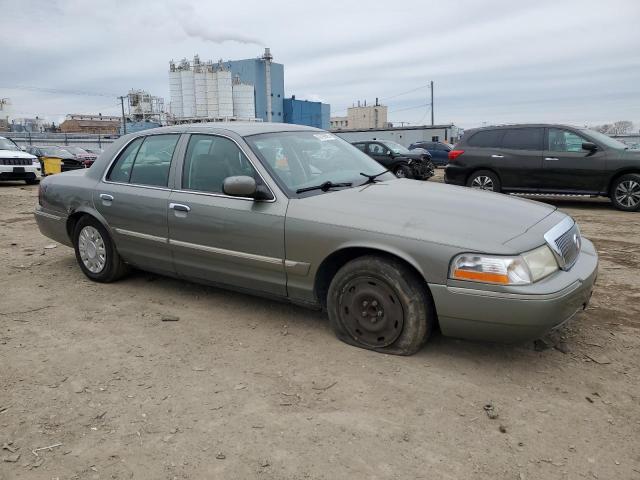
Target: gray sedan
x=298 y=214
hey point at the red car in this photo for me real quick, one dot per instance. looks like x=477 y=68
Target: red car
x=87 y=158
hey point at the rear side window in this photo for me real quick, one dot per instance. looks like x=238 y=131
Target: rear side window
x=121 y=171
x=486 y=139
x=145 y=161
x=359 y=146
x=209 y=160
x=523 y=138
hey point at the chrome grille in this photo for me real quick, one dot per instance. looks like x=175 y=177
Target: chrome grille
x=565 y=242
x=15 y=161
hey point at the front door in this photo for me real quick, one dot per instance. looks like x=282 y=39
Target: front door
x=220 y=238
x=567 y=166
x=381 y=154
x=133 y=200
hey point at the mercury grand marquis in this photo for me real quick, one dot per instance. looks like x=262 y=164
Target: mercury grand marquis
x=299 y=214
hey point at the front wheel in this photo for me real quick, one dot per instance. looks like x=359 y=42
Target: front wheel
x=402 y=171
x=625 y=192
x=484 y=180
x=380 y=304
x=95 y=252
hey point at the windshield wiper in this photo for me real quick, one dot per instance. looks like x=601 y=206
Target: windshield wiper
x=324 y=186
x=372 y=178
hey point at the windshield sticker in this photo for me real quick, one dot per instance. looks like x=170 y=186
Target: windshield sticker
x=323 y=137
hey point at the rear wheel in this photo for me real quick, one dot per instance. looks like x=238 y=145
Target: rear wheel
x=402 y=171
x=625 y=192
x=484 y=180
x=95 y=252
x=380 y=304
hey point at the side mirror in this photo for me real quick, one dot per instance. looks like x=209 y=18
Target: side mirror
x=239 y=186
x=592 y=147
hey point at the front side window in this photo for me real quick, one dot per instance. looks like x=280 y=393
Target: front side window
x=376 y=149
x=209 y=160
x=304 y=159
x=523 y=139
x=564 y=141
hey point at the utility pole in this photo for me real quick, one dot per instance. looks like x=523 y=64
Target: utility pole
x=124 y=120
x=432 y=122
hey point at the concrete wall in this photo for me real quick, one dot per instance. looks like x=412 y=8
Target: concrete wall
x=252 y=71
x=371 y=116
x=404 y=136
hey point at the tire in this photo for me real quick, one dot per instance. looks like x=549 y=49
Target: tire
x=380 y=304
x=101 y=262
x=625 y=192
x=484 y=180
x=403 y=171
x=32 y=181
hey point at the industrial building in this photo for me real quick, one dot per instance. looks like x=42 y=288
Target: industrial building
x=205 y=92
x=405 y=135
x=267 y=77
x=362 y=116
x=100 y=124
x=304 y=112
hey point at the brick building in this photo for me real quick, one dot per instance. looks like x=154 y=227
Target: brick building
x=97 y=124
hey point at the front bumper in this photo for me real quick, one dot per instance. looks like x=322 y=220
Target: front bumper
x=20 y=172
x=515 y=317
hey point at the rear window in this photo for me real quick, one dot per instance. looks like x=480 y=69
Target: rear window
x=486 y=139
x=523 y=139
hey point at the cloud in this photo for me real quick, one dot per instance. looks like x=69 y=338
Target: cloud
x=199 y=29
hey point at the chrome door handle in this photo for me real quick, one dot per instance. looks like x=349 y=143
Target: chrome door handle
x=497 y=156
x=106 y=197
x=551 y=159
x=178 y=207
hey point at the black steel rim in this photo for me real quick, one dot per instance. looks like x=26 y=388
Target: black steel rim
x=371 y=311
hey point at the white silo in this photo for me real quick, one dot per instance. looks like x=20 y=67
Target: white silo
x=175 y=90
x=225 y=92
x=212 y=91
x=188 y=92
x=200 y=80
x=244 y=105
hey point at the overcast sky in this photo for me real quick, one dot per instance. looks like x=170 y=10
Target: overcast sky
x=574 y=62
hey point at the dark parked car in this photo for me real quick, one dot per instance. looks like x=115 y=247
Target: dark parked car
x=439 y=151
x=398 y=159
x=547 y=159
x=69 y=161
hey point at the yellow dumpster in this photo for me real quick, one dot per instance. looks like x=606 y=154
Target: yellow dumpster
x=51 y=165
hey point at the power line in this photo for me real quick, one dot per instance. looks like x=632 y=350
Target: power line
x=57 y=91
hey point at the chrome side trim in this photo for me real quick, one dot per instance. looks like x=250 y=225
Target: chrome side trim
x=47 y=215
x=296 y=268
x=228 y=253
x=143 y=236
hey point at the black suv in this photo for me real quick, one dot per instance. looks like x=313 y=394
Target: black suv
x=398 y=159
x=552 y=159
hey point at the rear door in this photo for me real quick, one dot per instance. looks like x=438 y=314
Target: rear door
x=520 y=156
x=219 y=238
x=567 y=166
x=133 y=197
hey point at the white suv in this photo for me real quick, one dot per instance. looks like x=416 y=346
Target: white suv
x=18 y=165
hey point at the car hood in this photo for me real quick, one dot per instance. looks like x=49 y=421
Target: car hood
x=434 y=212
x=16 y=154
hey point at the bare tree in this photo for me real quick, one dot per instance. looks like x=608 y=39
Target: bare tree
x=617 y=128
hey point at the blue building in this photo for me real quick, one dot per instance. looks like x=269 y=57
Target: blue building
x=252 y=71
x=304 y=112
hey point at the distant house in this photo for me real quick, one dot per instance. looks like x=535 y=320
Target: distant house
x=96 y=124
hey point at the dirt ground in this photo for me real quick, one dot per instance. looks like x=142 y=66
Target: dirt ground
x=241 y=387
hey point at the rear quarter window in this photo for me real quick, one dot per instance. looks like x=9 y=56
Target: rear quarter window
x=486 y=139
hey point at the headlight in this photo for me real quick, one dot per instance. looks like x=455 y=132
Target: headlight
x=522 y=269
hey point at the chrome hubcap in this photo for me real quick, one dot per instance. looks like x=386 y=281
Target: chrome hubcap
x=92 y=250
x=482 y=182
x=628 y=193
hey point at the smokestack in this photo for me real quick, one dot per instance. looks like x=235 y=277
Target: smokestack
x=267 y=58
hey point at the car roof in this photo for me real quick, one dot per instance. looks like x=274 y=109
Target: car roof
x=522 y=125
x=243 y=129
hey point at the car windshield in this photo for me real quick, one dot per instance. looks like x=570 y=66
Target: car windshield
x=606 y=139
x=306 y=159
x=6 y=144
x=55 y=152
x=396 y=147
